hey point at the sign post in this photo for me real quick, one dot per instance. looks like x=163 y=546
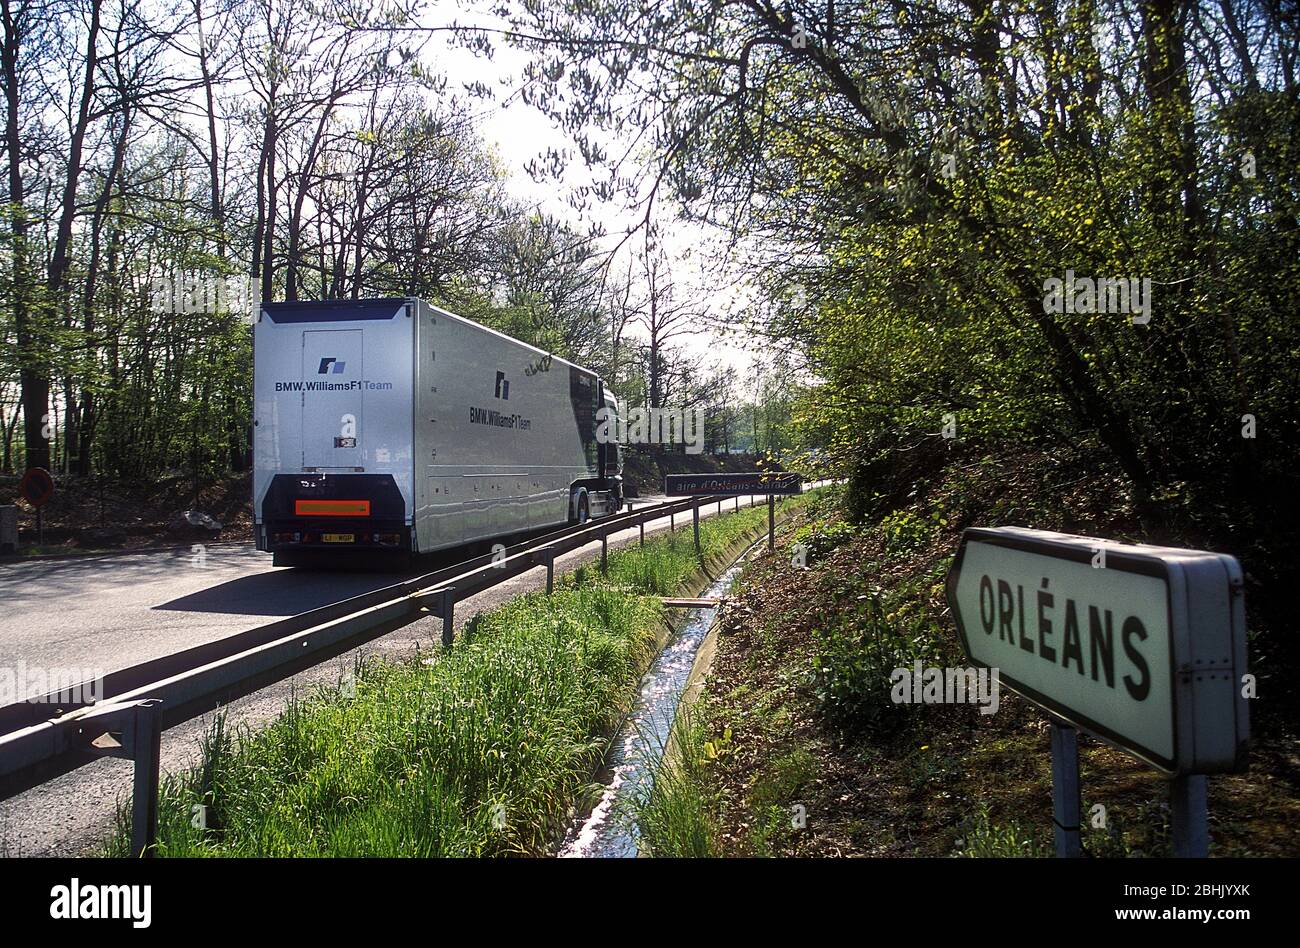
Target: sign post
x=1066 y=801
x=737 y=484
x=1189 y=816
x=771 y=522
x=1143 y=647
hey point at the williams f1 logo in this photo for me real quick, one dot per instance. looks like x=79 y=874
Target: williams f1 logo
x=503 y=387
x=338 y=367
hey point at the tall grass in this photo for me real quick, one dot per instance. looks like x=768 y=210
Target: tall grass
x=663 y=565
x=674 y=812
x=482 y=750
x=983 y=839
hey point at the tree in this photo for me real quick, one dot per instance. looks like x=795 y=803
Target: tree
x=924 y=183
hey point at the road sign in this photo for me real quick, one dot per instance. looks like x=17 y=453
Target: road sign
x=752 y=482
x=37 y=487
x=1142 y=646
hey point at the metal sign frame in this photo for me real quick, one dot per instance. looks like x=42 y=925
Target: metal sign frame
x=1207 y=644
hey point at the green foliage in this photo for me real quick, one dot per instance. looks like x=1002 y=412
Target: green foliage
x=827 y=502
x=855 y=657
x=674 y=813
x=1141 y=830
x=773 y=798
x=821 y=537
x=905 y=531
x=981 y=838
x=479 y=752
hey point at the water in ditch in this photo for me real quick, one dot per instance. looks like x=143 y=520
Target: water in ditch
x=608 y=831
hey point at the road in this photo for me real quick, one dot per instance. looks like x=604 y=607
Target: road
x=103 y=613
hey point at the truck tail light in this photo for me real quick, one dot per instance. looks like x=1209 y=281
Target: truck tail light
x=387 y=539
x=286 y=537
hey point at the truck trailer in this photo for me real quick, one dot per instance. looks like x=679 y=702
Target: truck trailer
x=394 y=426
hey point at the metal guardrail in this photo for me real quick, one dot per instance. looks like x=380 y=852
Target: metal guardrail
x=46 y=736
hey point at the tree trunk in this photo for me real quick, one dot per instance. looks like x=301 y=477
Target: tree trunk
x=34 y=384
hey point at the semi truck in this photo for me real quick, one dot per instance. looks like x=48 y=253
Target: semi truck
x=392 y=426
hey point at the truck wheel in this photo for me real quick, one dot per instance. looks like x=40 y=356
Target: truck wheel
x=584 y=509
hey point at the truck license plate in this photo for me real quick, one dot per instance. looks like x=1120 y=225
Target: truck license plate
x=338 y=537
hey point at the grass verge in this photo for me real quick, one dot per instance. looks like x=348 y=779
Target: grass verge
x=481 y=750
x=673 y=812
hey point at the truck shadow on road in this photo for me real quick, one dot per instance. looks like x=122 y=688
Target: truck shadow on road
x=287 y=592
x=281 y=593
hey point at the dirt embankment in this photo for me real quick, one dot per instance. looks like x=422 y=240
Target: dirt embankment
x=794 y=699
x=92 y=513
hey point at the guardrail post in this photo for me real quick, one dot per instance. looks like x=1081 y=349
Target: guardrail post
x=1189 y=816
x=1066 y=808
x=672 y=523
x=604 y=553
x=550 y=571
x=146 y=741
x=696 y=522
x=642 y=526
x=719 y=506
x=737 y=502
x=771 y=522
x=448 y=616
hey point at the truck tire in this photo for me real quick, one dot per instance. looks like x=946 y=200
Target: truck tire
x=584 y=508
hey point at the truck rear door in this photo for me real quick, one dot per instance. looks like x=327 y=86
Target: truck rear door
x=333 y=406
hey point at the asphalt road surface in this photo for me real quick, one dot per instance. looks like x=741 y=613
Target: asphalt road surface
x=103 y=613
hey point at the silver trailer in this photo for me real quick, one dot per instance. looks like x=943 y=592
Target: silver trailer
x=393 y=425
